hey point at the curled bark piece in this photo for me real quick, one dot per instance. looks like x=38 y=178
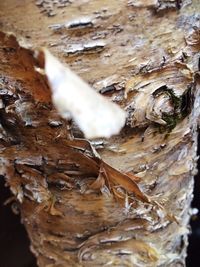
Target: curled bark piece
x=156 y=97
x=94 y=114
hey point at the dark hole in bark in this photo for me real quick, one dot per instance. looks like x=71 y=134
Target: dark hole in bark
x=194 y=238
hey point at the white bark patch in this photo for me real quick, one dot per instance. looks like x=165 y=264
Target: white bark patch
x=95 y=115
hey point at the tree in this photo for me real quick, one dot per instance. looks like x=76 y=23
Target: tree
x=124 y=201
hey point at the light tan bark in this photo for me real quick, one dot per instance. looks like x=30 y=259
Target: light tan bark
x=84 y=209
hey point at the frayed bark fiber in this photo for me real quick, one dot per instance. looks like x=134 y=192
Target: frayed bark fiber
x=122 y=201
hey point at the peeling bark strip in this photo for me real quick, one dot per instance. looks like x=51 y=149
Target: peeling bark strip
x=95 y=115
x=124 y=201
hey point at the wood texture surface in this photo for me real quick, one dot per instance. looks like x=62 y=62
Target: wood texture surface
x=124 y=201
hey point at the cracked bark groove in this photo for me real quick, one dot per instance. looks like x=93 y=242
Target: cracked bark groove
x=144 y=55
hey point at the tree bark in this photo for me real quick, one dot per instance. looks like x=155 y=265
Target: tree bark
x=124 y=201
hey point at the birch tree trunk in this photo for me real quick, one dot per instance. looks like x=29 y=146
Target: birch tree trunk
x=78 y=198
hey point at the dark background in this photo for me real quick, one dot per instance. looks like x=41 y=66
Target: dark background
x=194 y=238
x=14 y=242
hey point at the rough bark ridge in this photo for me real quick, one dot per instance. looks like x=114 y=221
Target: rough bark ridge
x=80 y=200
